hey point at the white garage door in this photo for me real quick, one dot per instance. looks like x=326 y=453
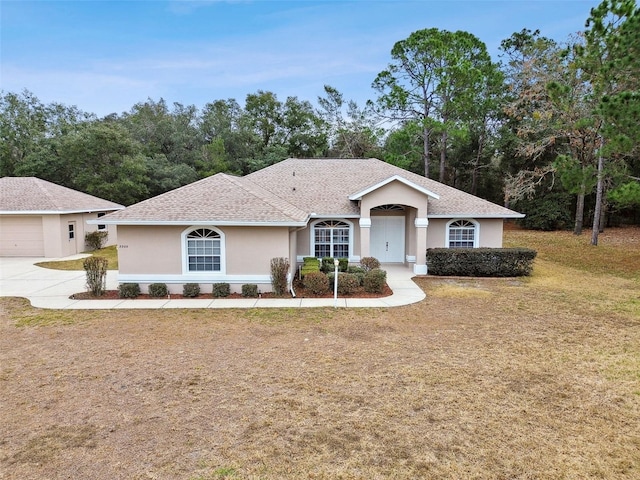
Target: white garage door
x=21 y=236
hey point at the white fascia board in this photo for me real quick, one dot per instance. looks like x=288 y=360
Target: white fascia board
x=359 y=195
x=334 y=215
x=471 y=215
x=228 y=223
x=58 y=212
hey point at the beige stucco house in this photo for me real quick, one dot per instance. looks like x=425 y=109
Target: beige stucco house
x=227 y=229
x=42 y=219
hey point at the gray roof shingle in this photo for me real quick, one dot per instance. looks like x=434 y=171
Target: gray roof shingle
x=221 y=198
x=34 y=195
x=290 y=191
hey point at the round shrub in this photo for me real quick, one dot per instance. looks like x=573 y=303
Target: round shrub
x=316 y=282
x=190 y=290
x=221 y=290
x=250 y=290
x=374 y=280
x=128 y=290
x=347 y=283
x=369 y=263
x=158 y=290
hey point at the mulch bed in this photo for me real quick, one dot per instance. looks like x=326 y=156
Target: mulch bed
x=300 y=293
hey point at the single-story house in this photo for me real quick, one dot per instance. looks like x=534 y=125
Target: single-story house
x=42 y=219
x=227 y=229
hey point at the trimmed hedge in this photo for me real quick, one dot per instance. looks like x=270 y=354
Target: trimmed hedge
x=480 y=262
x=190 y=290
x=316 y=282
x=374 y=280
x=158 y=290
x=128 y=290
x=369 y=263
x=347 y=282
x=309 y=265
x=328 y=264
x=221 y=290
x=250 y=290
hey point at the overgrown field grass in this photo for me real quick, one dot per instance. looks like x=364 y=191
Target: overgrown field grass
x=535 y=378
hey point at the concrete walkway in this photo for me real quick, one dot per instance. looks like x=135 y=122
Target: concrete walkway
x=46 y=288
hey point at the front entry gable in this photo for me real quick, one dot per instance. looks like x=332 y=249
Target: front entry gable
x=394 y=190
x=390 y=180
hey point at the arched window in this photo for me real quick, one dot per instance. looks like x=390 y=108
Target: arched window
x=203 y=250
x=331 y=238
x=462 y=234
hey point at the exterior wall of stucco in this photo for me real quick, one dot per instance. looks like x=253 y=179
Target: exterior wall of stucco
x=51 y=239
x=394 y=193
x=490 y=232
x=154 y=254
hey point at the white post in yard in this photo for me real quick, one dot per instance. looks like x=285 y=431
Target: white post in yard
x=335 y=283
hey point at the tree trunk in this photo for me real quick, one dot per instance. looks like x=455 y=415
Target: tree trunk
x=425 y=151
x=577 y=229
x=443 y=156
x=599 y=191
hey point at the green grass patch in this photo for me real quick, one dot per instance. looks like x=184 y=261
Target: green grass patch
x=110 y=253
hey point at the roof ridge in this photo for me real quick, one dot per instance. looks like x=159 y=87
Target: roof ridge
x=41 y=184
x=239 y=182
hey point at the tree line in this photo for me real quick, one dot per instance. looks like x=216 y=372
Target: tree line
x=551 y=129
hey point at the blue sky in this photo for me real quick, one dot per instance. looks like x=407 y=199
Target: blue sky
x=105 y=56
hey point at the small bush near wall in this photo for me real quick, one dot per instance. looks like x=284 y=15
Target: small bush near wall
x=279 y=270
x=316 y=282
x=374 y=280
x=96 y=268
x=95 y=240
x=221 y=290
x=250 y=290
x=328 y=264
x=343 y=264
x=480 y=262
x=347 y=283
x=158 y=290
x=358 y=272
x=128 y=290
x=369 y=263
x=190 y=290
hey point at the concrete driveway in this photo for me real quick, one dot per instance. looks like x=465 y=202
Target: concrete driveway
x=44 y=287
x=47 y=288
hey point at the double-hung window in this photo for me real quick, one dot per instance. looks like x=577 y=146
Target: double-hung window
x=204 y=251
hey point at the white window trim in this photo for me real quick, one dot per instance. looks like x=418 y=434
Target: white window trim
x=312 y=236
x=476 y=237
x=185 y=255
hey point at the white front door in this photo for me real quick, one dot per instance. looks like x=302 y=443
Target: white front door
x=387 y=239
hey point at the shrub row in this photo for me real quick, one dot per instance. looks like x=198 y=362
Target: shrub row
x=480 y=262
x=189 y=290
x=320 y=283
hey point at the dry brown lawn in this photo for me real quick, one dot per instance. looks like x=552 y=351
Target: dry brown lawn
x=485 y=379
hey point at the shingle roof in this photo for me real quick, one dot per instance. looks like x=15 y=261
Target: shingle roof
x=34 y=195
x=323 y=186
x=292 y=190
x=221 y=198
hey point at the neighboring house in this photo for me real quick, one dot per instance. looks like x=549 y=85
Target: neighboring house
x=42 y=219
x=227 y=229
